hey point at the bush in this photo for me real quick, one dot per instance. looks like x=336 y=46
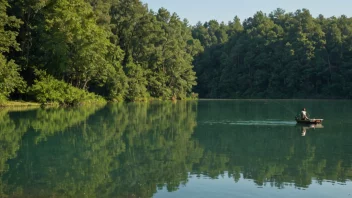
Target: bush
x=50 y=90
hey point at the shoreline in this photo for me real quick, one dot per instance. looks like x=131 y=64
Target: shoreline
x=219 y=99
x=24 y=104
x=19 y=104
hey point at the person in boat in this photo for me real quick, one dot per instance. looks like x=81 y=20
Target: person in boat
x=304 y=114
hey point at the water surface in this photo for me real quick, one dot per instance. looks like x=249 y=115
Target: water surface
x=230 y=148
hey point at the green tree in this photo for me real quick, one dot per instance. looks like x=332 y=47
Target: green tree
x=280 y=55
x=10 y=78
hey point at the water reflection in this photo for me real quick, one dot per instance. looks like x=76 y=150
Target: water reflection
x=134 y=150
x=305 y=127
x=120 y=150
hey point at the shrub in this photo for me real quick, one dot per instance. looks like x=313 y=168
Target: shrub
x=47 y=89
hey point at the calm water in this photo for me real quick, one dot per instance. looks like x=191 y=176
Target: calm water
x=234 y=148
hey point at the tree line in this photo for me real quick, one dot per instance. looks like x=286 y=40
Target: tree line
x=279 y=55
x=90 y=50
x=63 y=51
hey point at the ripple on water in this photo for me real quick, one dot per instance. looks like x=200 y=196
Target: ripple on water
x=254 y=122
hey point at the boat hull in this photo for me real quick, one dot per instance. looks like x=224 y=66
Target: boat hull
x=310 y=121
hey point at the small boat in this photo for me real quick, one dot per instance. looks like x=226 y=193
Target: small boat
x=310 y=126
x=309 y=121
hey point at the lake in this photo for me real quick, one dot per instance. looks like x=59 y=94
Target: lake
x=205 y=148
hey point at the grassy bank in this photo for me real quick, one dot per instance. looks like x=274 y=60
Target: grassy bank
x=19 y=104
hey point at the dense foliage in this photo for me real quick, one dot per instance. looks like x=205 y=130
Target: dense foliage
x=280 y=55
x=10 y=78
x=121 y=50
x=50 y=90
x=118 y=49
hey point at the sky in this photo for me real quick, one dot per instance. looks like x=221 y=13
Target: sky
x=226 y=10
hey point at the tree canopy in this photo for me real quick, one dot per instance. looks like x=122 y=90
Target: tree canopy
x=280 y=55
x=121 y=50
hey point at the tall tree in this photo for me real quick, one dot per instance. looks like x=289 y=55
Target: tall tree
x=10 y=78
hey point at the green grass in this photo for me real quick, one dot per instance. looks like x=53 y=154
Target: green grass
x=19 y=104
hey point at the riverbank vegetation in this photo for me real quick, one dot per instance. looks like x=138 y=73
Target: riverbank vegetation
x=72 y=52
x=118 y=50
x=280 y=55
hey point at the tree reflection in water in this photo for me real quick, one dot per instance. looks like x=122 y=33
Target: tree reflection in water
x=132 y=150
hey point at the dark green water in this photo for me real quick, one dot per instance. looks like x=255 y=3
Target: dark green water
x=237 y=148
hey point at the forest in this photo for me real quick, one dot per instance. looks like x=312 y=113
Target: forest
x=280 y=55
x=76 y=51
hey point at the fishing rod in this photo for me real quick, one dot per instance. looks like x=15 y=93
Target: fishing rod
x=295 y=113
